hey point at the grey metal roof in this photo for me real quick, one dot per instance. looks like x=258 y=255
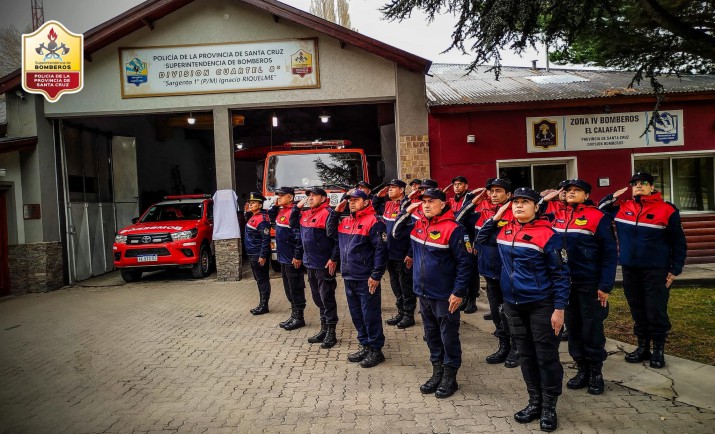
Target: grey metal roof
x=447 y=84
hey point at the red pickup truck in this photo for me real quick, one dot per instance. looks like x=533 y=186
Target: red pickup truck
x=175 y=233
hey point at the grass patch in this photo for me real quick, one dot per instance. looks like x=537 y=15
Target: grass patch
x=691 y=315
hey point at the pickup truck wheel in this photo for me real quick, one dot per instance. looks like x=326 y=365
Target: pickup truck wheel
x=130 y=276
x=202 y=268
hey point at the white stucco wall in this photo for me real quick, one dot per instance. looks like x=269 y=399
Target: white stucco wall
x=346 y=75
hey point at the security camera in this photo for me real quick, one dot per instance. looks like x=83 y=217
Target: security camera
x=20 y=94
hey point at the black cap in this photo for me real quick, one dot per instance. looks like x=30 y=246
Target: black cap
x=580 y=183
x=317 y=190
x=428 y=183
x=397 y=183
x=357 y=193
x=562 y=184
x=416 y=181
x=642 y=176
x=254 y=195
x=285 y=190
x=498 y=182
x=363 y=184
x=527 y=193
x=434 y=193
x=460 y=179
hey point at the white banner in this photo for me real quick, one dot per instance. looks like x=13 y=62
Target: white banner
x=218 y=68
x=603 y=131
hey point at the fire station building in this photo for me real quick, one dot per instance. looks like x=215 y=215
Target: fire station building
x=174 y=91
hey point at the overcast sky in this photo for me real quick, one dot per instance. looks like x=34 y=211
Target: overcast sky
x=413 y=35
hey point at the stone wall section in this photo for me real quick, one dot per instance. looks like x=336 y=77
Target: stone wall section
x=228 y=260
x=35 y=267
x=414 y=157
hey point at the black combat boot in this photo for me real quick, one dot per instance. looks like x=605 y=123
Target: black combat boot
x=358 y=355
x=431 y=385
x=318 y=337
x=512 y=359
x=641 y=353
x=488 y=316
x=657 y=360
x=330 y=338
x=408 y=320
x=501 y=354
x=533 y=410
x=298 y=320
x=549 y=421
x=448 y=385
x=282 y=324
x=262 y=306
x=595 y=379
x=471 y=306
x=373 y=358
x=581 y=379
x=395 y=319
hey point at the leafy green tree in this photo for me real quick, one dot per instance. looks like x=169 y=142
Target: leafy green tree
x=649 y=37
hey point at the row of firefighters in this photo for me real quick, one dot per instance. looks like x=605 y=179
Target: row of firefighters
x=547 y=258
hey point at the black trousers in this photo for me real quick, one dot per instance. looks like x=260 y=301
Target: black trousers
x=647 y=298
x=584 y=320
x=401 y=284
x=366 y=313
x=441 y=332
x=496 y=308
x=294 y=285
x=260 y=273
x=530 y=325
x=322 y=288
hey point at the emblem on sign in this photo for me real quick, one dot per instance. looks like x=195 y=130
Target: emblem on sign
x=137 y=71
x=545 y=134
x=52 y=59
x=666 y=128
x=301 y=63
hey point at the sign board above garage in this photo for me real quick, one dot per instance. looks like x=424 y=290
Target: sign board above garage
x=219 y=68
x=603 y=131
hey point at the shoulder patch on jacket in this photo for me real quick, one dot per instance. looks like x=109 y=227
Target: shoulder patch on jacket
x=502 y=223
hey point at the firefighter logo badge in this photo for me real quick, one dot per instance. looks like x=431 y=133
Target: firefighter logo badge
x=52 y=59
x=301 y=63
x=545 y=134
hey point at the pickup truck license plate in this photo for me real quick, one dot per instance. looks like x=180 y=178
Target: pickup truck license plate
x=147 y=258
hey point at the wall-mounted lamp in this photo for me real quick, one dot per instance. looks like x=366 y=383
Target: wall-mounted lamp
x=471 y=138
x=274 y=120
x=191 y=120
x=239 y=146
x=607 y=109
x=324 y=117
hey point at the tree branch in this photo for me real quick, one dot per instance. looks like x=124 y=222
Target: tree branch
x=671 y=23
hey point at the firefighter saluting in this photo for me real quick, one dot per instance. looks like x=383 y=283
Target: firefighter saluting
x=258 y=248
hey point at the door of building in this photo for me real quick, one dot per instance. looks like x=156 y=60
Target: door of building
x=4 y=270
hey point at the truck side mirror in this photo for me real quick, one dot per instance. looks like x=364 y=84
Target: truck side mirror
x=135 y=219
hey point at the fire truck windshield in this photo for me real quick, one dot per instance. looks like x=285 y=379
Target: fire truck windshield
x=327 y=170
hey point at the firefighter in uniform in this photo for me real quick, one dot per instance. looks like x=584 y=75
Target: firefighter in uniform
x=499 y=193
x=462 y=198
x=400 y=273
x=289 y=250
x=258 y=248
x=363 y=257
x=442 y=274
x=535 y=284
x=652 y=254
x=320 y=256
x=593 y=257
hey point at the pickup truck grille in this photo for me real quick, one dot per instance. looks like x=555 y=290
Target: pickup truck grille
x=134 y=240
